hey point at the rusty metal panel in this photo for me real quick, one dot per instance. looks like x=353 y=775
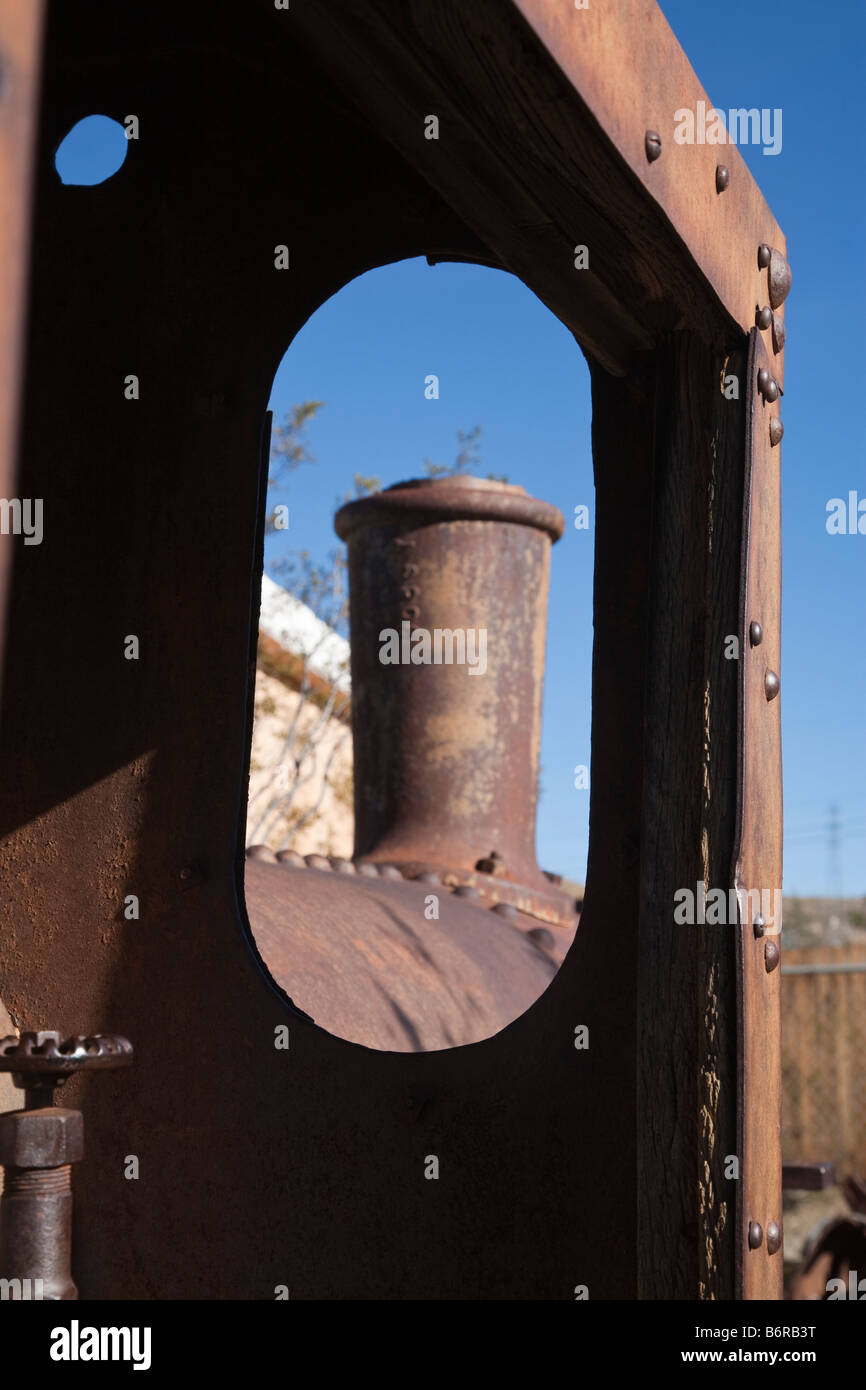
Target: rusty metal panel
x=759 y=849
x=128 y=788
x=136 y=785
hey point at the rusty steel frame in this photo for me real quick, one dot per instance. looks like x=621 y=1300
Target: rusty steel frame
x=129 y=789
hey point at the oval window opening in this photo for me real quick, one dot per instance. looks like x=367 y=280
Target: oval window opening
x=91 y=151
x=393 y=887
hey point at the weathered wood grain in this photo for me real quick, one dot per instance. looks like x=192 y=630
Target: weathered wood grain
x=687 y=1075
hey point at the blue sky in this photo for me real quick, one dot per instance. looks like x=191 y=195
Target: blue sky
x=506 y=364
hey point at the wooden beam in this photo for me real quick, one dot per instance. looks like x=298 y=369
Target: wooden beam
x=625 y=62
x=687 y=1077
x=758 y=857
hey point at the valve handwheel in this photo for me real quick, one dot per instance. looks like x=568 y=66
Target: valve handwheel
x=38 y=1146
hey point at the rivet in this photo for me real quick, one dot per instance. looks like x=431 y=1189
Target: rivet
x=774 y=1237
x=778 y=333
x=772 y=685
x=764 y=254
x=465 y=890
x=756 y=634
x=764 y=318
x=389 y=871
x=428 y=876
x=768 y=386
x=772 y=955
x=756 y=1235
x=652 y=145
x=191 y=875
x=261 y=852
x=317 y=861
x=366 y=869
x=342 y=866
x=723 y=177
x=760 y=924
x=290 y=856
x=778 y=279
x=777 y=429
x=542 y=936
x=507 y=911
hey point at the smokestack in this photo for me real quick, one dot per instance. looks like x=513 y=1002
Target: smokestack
x=448 y=583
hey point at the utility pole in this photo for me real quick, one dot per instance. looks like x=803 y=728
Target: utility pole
x=834 y=857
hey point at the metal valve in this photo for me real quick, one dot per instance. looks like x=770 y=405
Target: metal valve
x=38 y=1145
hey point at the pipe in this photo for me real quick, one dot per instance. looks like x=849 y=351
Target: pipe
x=448 y=582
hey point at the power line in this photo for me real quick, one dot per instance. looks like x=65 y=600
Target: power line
x=815 y=837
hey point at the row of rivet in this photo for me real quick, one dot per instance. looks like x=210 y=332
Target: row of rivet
x=774 y=1236
x=768 y=385
x=772 y=684
x=390 y=871
x=653 y=149
x=772 y=954
x=779 y=284
x=768 y=257
x=764 y=319
x=769 y=388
